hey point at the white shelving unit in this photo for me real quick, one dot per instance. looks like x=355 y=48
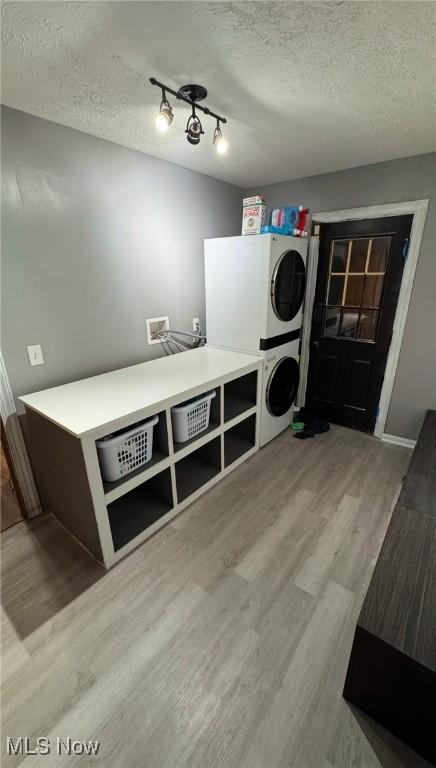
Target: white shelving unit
x=111 y=519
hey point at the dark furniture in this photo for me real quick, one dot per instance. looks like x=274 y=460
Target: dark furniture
x=392 y=669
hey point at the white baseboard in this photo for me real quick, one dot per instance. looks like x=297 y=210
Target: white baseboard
x=395 y=440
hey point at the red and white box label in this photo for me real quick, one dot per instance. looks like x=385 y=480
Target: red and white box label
x=253 y=218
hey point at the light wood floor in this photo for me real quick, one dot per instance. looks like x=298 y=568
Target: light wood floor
x=223 y=641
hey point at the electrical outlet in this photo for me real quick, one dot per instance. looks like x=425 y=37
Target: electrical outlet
x=35 y=354
x=156 y=325
x=196 y=325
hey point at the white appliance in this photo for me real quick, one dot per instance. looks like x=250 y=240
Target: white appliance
x=254 y=291
x=280 y=380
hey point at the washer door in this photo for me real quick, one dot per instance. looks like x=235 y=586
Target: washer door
x=287 y=285
x=282 y=386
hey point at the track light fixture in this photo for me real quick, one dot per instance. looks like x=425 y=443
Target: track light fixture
x=191 y=94
x=194 y=128
x=165 y=116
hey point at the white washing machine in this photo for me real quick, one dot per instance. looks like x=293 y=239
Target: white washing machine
x=254 y=291
x=280 y=380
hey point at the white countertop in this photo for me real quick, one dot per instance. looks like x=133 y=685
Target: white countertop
x=87 y=405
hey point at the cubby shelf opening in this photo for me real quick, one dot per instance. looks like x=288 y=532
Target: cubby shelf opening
x=240 y=395
x=198 y=468
x=239 y=440
x=138 y=509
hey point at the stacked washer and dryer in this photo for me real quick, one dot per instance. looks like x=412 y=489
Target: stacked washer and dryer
x=254 y=294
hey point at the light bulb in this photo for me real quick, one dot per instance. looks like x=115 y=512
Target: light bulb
x=162 y=123
x=221 y=146
x=219 y=141
x=165 y=116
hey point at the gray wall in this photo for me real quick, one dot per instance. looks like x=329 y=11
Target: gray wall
x=399 y=180
x=95 y=239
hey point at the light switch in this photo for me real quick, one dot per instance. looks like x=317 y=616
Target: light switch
x=35 y=354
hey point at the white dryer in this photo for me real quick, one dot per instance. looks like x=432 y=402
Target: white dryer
x=280 y=380
x=254 y=290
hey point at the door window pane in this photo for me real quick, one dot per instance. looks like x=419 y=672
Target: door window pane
x=353 y=293
x=379 y=254
x=332 y=317
x=373 y=290
x=355 y=287
x=339 y=255
x=367 y=324
x=336 y=288
x=359 y=250
x=349 y=322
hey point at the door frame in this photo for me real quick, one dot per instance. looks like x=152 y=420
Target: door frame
x=12 y=476
x=17 y=448
x=418 y=208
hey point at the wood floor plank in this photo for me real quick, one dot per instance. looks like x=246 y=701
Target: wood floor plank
x=266 y=545
x=103 y=697
x=335 y=536
x=13 y=651
x=285 y=724
x=222 y=642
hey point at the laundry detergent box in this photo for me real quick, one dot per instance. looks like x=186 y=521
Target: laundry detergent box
x=253 y=218
x=254 y=200
x=253 y=215
x=289 y=220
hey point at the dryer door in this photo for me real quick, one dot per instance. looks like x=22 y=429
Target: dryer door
x=282 y=386
x=287 y=285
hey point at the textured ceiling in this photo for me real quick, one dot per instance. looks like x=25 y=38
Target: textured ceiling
x=308 y=87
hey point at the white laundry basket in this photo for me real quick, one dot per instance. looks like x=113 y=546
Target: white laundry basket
x=122 y=452
x=191 y=418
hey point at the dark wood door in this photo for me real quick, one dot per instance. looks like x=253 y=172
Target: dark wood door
x=358 y=282
x=12 y=503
